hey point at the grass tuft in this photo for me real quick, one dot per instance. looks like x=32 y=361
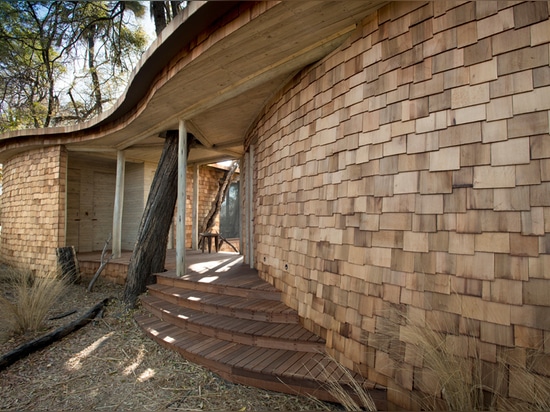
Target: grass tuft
x=448 y=374
x=28 y=299
x=456 y=376
x=346 y=390
x=358 y=399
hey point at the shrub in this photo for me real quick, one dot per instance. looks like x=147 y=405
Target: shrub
x=29 y=298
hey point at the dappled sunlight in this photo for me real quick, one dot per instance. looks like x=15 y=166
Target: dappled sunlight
x=75 y=362
x=135 y=364
x=169 y=339
x=208 y=279
x=146 y=375
x=203 y=267
x=229 y=265
x=194 y=298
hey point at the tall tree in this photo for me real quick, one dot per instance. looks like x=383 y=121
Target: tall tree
x=150 y=249
x=163 y=12
x=41 y=43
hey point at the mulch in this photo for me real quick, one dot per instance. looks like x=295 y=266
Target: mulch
x=109 y=364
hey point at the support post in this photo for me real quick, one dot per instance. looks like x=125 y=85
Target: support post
x=119 y=202
x=182 y=189
x=242 y=189
x=195 y=214
x=250 y=205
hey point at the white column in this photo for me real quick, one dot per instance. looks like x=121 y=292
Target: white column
x=182 y=189
x=195 y=217
x=242 y=228
x=119 y=202
x=250 y=204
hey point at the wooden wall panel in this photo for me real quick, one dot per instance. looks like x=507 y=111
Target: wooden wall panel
x=34 y=190
x=423 y=174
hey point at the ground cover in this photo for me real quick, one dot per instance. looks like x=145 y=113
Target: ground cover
x=110 y=364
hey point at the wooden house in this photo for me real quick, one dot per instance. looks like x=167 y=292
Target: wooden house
x=395 y=159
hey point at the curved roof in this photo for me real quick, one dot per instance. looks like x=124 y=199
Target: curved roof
x=214 y=66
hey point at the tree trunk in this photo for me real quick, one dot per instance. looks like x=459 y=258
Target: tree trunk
x=159 y=15
x=150 y=249
x=40 y=343
x=96 y=87
x=175 y=5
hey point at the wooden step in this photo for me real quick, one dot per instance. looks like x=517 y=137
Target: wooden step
x=232 y=329
x=225 y=318
x=288 y=371
x=236 y=306
x=242 y=286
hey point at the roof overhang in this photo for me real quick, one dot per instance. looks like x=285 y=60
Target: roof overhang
x=215 y=66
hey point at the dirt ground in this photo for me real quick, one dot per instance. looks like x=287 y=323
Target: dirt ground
x=109 y=364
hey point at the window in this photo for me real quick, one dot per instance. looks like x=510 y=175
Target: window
x=230 y=213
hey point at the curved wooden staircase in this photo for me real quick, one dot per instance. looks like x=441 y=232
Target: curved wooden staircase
x=237 y=326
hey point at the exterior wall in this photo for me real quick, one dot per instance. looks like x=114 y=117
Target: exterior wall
x=90 y=202
x=36 y=185
x=409 y=172
x=209 y=178
x=33 y=208
x=138 y=178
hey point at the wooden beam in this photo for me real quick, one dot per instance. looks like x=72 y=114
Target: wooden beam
x=199 y=135
x=92 y=149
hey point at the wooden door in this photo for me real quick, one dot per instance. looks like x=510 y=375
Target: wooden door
x=90 y=202
x=73 y=208
x=103 y=206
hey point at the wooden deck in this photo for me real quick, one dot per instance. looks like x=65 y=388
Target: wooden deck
x=223 y=316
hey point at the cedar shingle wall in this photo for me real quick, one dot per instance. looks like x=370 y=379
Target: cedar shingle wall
x=410 y=170
x=33 y=208
x=34 y=199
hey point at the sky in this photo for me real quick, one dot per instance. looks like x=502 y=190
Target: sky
x=149 y=26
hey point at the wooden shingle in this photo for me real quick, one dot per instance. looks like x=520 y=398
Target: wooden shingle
x=522 y=59
x=511 y=199
x=494 y=131
x=528 y=13
x=478 y=52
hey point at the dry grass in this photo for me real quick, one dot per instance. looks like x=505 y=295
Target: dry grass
x=30 y=299
x=111 y=365
x=348 y=391
x=456 y=377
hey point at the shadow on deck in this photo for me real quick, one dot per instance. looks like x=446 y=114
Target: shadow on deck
x=221 y=315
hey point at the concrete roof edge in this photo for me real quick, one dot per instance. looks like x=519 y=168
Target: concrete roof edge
x=178 y=32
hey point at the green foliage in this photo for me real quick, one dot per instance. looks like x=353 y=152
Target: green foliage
x=62 y=62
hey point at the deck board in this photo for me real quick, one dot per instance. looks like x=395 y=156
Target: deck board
x=229 y=320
